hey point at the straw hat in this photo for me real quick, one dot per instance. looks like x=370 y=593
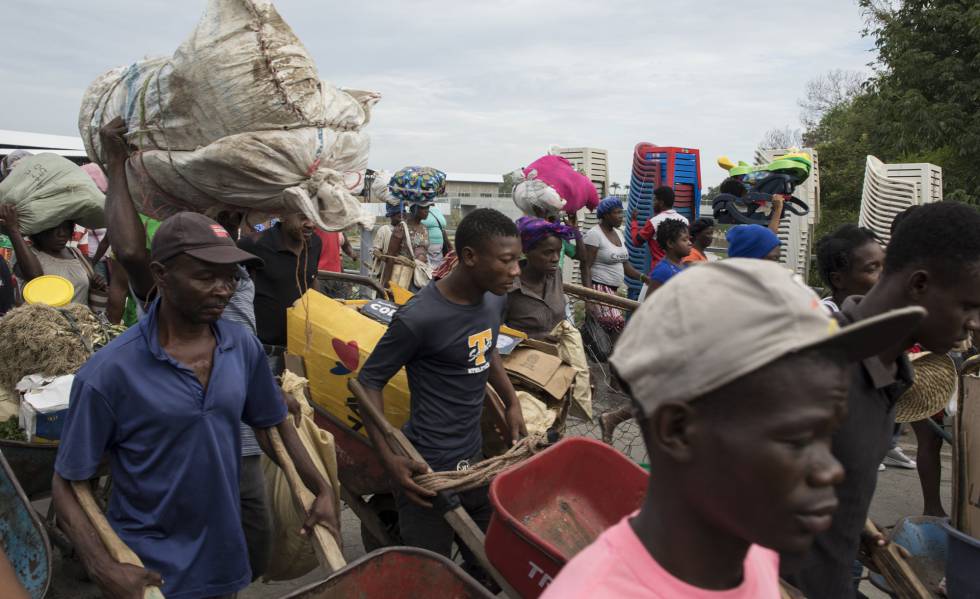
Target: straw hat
x=935 y=383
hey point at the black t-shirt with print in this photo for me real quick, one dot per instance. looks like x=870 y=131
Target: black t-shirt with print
x=445 y=348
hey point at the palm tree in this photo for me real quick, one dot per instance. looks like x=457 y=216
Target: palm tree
x=626 y=189
x=615 y=188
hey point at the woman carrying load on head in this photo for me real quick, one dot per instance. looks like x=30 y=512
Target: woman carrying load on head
x=48 y=254
x=537 y=199
x=415 y=188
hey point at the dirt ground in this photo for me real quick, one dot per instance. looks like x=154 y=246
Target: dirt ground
x=898 y=495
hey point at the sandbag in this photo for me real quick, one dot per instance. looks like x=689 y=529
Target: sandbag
x=291 y=554
x=238 y=107
x=49 y=190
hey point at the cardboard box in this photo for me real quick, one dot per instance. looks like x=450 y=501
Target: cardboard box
x=44 y=406
x=541 y=370
x=966 y=459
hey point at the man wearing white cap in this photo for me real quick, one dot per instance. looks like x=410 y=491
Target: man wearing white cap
x=737 y=415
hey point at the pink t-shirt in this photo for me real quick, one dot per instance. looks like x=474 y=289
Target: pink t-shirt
x=618 y=566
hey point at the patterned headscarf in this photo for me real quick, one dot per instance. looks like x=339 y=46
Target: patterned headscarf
x=608 y=205
x=417 y=184
x=534 y=230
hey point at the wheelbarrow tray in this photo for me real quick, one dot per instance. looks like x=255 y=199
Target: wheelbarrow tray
x=555 y=504
x=397 y=573
x=925 y=539
x=32 y=464
x=22 y=535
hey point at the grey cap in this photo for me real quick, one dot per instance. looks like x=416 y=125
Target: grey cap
x=717 y=322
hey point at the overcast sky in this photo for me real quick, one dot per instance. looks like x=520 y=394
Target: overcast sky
x=484 y=87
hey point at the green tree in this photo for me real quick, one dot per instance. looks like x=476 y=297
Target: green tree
x=927 y=87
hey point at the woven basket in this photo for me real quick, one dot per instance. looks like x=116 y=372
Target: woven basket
x=935 y=383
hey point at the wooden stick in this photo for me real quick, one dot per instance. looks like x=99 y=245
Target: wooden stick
x=900 y=577
x=460 y=521
x=327 y=550
x=113 y=544
x=591 y=295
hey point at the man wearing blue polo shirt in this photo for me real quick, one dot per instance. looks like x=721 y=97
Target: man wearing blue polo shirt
x=163 y=403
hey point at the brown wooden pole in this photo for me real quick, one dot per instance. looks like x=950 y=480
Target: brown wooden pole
x=589 y=294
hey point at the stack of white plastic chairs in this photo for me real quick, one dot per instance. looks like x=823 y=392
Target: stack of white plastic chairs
x=796 y=232
x=891 y=188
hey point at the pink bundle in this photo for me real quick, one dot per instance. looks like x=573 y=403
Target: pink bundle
x=573 y=187
x=97 y=175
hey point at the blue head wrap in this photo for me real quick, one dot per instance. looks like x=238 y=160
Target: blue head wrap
x=750 y=241
x=608 y=205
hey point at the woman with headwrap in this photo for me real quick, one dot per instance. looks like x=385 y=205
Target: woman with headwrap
x=414 y=188
x=606 y=262
x=753 y=241
x=536 y=302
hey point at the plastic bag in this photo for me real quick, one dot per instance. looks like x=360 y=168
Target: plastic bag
x=291 y=554
x=49 y=190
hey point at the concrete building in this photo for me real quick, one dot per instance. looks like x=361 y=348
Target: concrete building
x=473 y=185
x=594 y=162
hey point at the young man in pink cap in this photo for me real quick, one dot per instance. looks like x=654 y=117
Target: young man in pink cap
x=738 y=422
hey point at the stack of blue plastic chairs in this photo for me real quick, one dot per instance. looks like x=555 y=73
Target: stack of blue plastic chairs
x=655 y=166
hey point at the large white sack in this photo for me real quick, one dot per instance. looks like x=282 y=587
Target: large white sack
x=268 y=171
x=236 y=117
x=241 y=69
x=48 y=190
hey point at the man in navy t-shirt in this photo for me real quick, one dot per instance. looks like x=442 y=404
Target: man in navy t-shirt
x=163 y=403
x=445 y=338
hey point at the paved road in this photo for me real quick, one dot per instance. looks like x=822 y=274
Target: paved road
x=898 y=495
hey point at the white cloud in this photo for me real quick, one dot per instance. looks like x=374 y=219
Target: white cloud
x=486 y=86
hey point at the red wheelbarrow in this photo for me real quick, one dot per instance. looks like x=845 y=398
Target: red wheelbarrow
x=397 y=573
x=554 y=505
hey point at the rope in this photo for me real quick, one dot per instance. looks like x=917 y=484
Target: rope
x=482 y=473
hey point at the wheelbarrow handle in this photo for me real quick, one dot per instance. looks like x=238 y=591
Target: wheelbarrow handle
x=897 y=572
x=397 y=441
x=328 y=551
x=457 y=518
x=113 y=544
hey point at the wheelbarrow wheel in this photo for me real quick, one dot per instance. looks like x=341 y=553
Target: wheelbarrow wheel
x=384 y=506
